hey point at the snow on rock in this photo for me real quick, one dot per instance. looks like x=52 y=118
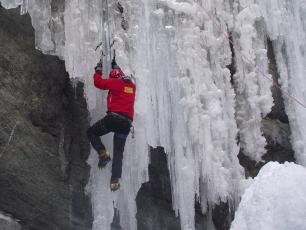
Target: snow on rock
x=275 y=200
x=7 y=223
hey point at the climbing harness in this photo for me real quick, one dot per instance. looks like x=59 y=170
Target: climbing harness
x=120 y=116
x=132 y=129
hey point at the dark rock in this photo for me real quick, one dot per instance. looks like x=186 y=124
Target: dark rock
x=278 y=110
x=222 y=216
x=43 y=144
x=232 y=66
x=154 y=200
x=219 y=217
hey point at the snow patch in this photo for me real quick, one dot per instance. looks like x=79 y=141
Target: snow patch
x=275 y=200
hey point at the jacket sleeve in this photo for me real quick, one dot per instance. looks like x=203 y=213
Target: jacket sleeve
x=105 y=84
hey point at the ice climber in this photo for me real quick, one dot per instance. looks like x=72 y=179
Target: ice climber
x=119 y=117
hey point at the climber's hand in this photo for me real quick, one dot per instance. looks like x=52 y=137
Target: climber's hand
x=103 y=160
x=99 y=67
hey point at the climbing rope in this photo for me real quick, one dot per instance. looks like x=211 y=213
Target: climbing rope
x=224 y=32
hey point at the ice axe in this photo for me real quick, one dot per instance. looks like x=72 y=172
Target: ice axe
x=114 y=55
x=102 y=53
x=110 y=47
x=99 y=45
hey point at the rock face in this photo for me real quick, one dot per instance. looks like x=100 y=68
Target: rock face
x=43 y=143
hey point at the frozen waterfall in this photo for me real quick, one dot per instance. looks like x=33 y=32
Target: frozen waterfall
x=188 y=101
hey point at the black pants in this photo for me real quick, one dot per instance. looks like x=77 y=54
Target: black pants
x=121 y=128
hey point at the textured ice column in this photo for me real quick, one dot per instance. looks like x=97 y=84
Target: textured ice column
x=284 y=22
x=57 y=27
x=286 y=25
x=40 y=11
x=190 y=97
x=220 y=169
x=254 y=98
x=136 y=155
x=84 y=31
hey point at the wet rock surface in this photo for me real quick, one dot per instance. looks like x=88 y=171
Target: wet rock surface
x=43 y=144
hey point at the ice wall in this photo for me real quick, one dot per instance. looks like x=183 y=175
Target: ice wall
x=254 y=100
x=179 y=52
x=283 y=21
x=287 y=29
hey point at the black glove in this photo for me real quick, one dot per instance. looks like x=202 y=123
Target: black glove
x=101 y=163
x=99 y=67
x=114 y=64
x=103 y=160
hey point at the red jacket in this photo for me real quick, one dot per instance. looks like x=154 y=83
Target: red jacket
x=121 y=94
